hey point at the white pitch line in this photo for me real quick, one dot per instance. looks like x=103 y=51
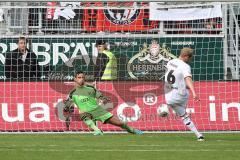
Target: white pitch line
x=122 y=145
x=117 y=150
x=117 y=132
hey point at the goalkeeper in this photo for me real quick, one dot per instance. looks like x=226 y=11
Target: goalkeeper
x=85 y=97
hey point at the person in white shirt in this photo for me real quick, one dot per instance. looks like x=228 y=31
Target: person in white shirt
x=178 y=82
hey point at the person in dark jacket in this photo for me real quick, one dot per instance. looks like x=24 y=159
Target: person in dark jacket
x=21 y=63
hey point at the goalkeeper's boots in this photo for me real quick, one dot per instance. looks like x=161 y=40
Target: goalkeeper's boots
x=98 y=133
x=201 y=138
x=136 y=131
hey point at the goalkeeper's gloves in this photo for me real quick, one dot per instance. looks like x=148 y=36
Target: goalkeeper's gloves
x=103 y=100
x=68 y=106
x=70 y=110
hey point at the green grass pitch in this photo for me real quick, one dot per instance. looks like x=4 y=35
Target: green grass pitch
x=119 y=146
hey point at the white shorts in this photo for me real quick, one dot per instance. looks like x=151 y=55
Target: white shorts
x=177 y=102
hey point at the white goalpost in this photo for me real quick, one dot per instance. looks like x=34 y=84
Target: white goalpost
x=143 y=36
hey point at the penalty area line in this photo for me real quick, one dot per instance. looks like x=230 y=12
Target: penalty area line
x=117 y=150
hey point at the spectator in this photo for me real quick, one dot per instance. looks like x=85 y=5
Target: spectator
x=21 y=63
x=106 y=64
x=213 y=25
x=183 y=27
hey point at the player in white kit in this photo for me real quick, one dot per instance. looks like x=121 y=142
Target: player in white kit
x=178 y=80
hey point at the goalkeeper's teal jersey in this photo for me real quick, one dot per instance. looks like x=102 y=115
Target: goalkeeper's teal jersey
x=85 y=97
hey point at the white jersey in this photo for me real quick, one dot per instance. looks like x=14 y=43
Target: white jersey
x=175 y=86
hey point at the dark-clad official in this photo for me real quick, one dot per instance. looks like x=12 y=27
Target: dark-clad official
x=21 y=63
x=106 y=63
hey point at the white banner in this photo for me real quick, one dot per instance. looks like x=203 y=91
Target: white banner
x=159 y=13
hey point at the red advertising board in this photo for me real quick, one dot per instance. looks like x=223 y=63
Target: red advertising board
x=36 y=106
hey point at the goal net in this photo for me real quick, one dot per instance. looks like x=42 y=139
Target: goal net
x=61 y=39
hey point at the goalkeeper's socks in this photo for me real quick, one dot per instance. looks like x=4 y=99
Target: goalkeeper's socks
x=129 y=129
x=91 y=124
x=187 y=121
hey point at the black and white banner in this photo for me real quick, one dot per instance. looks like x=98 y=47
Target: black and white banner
x=166 y=13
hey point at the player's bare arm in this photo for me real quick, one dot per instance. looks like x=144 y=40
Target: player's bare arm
x=190 y=85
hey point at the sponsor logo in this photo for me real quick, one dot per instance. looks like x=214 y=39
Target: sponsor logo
x=150 y=62
x=182 y=43
x=149 y=99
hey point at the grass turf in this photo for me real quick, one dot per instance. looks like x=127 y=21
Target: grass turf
x=118 y=146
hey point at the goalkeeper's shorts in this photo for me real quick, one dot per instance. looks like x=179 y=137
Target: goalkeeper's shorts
x=100 y=114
